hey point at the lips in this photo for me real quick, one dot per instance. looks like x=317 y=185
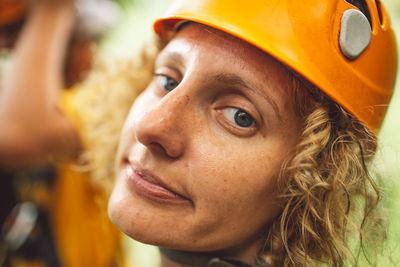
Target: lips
x=149 y=186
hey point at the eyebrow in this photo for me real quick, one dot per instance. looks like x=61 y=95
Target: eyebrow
x=233 y=79
x=173 y=57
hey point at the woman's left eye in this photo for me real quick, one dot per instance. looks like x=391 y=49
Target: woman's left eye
x=239 y=117
x=166 y=82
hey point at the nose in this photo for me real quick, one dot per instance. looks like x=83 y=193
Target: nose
x=162 y=127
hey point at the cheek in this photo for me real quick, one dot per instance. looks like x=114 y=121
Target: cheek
x=236 y=169
x=235 y=184
x=117 y=204
x=234 y=204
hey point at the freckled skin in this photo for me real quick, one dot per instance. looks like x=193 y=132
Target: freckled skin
x=227 y=172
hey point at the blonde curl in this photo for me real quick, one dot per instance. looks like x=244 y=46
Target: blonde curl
x=329 y=196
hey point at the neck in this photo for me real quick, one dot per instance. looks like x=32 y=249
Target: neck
x=166 y=262
x=179 y=258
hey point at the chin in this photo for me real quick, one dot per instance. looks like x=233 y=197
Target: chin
x=135 y=219
x=171 y=226
x=161 y=234
x=149 y=222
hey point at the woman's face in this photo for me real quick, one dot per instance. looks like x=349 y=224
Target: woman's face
x=203 y=146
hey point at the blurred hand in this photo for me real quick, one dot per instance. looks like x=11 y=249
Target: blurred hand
x=52 y=2
x=32 y=130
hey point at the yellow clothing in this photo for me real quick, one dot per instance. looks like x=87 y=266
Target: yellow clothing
x=84 y=235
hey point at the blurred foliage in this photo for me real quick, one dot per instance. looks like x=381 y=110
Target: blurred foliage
x=388 y=158
x=134 y=29
x=124 y=3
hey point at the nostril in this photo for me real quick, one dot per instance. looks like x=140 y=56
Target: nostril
x=157 y=147
x=169 y=149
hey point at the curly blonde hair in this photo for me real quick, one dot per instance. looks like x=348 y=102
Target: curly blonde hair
x=327 y=191
x=329 y=196
x=102 y=103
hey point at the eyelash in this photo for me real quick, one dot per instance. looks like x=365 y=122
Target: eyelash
x=167 y=79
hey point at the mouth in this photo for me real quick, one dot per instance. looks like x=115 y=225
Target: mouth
x=150 y=187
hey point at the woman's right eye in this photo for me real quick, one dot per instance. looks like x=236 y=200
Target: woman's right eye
x=166 y=82
x=239 y=117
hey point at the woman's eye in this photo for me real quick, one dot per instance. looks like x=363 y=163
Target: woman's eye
x=239 y=117
x=166 y=82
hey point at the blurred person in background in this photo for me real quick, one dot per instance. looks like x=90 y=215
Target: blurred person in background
x=50 y=215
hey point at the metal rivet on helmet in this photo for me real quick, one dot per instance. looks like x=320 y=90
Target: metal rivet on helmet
x=355 y=33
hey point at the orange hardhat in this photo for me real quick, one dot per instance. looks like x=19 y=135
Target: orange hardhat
x=346 y=48
x=12 y=11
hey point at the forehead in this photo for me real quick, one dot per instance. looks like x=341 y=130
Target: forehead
x=217 y=41
x=198 y=32
x=217 y=48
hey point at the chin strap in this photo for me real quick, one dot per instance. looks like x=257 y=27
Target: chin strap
x=204 y=259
